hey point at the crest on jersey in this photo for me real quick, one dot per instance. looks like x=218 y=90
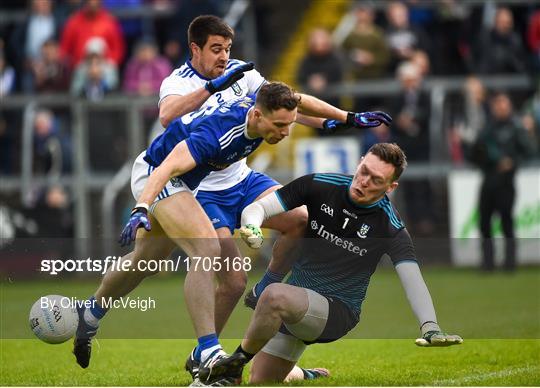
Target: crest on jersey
x=176 y=182
x=364 y=229
x=237 y=89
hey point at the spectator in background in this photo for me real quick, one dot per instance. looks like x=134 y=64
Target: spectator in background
x=145 y=70
x=7 y=76
x=321 y=66
x=500 y=49
x=366 y=46
x=533 y=39
x=6 y=147
x=52 y=209
x=531 y=120
x=450 y=37
x=96 y=75
x=51 y=72
x=132 y=28
x=176 y=47
x=500 y=147
x=28 y=38
x=92 y=21
x=372 y=136
x=400 y=36
x=421 y=60
x=52 y=147
x=473 y=118
x=411 y=112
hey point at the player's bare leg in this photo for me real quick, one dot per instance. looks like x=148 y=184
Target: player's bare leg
x=185 y=222
x=231 y=283
x=153 y=245
x=195 y=235
x=267 y=368
x=279 y=303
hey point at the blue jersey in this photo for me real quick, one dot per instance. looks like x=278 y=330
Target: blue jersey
x=215 y=135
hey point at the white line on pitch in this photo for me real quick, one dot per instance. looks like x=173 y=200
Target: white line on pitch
x=484 y=376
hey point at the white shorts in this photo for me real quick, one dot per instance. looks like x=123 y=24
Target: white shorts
x=309 y=328
x=139 y=176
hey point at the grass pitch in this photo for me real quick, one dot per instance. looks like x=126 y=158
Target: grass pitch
x=498 y=315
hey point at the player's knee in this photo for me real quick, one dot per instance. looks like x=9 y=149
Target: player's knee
x=202 y=247
x=233 y=284
x=274 y=297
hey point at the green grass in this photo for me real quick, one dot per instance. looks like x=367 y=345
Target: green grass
x=498 y=315
x=351 y=362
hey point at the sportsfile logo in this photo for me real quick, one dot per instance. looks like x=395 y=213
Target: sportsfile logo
x=338 y=241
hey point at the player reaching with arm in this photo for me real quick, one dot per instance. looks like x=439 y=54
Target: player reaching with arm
x=352 y=223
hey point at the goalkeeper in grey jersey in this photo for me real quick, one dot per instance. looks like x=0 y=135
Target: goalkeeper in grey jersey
x=351 y=225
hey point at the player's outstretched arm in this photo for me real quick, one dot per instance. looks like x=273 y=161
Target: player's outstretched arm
x=254 y=215
x=422 y=306
x=178 y=162
x=311 y=111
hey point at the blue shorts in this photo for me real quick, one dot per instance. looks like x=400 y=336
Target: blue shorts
x=224 y=207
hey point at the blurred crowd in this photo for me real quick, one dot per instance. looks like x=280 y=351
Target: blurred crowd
x=411 y=41
x=79 y=47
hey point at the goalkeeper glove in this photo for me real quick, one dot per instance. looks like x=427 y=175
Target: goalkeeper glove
x=252 y=236
x=438 y=338
x=226 y=80
x=368 y=119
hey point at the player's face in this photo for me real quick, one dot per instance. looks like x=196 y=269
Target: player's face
x=274 y=126
x=373 y=179
x=211 y=60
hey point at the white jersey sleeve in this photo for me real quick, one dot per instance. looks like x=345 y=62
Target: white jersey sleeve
x=180 y=82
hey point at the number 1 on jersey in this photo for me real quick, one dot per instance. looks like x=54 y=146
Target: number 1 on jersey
x=346 y=222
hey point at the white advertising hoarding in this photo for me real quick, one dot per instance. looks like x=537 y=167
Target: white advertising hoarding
x=336 y=154
x=463 y=194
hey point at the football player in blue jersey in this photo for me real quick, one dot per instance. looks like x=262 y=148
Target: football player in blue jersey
x=208 y=79
x=351 y=225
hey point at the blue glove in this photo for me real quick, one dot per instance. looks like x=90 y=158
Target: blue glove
x=226 y=80
x=330 y=126
x=368 y=119
x=139 y=218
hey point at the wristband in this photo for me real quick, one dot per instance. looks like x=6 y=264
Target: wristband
x=143 y=207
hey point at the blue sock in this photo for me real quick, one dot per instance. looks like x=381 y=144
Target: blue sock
x=94 y=313
x=205 y=342
x=268 y=278
x=96 y=310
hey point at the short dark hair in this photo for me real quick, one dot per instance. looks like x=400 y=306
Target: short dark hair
x=391 y=153
x=276 y=95
x=205 y=25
